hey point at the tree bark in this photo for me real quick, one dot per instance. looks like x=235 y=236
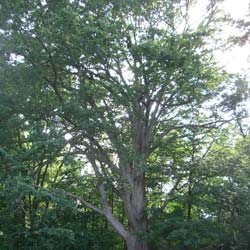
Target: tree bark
x=135 y=243
x=135 y=203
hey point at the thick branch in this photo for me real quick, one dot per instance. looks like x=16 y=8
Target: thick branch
x=118 y=226
x=84 y=202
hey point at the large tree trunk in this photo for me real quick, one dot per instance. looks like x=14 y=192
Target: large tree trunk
x=135 y=243
x=135 y=208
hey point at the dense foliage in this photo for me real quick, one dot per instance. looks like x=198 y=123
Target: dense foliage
x=118 y=130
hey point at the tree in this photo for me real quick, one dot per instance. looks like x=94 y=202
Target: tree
x=121 y=78
x=223 y=193
x=243 y=26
